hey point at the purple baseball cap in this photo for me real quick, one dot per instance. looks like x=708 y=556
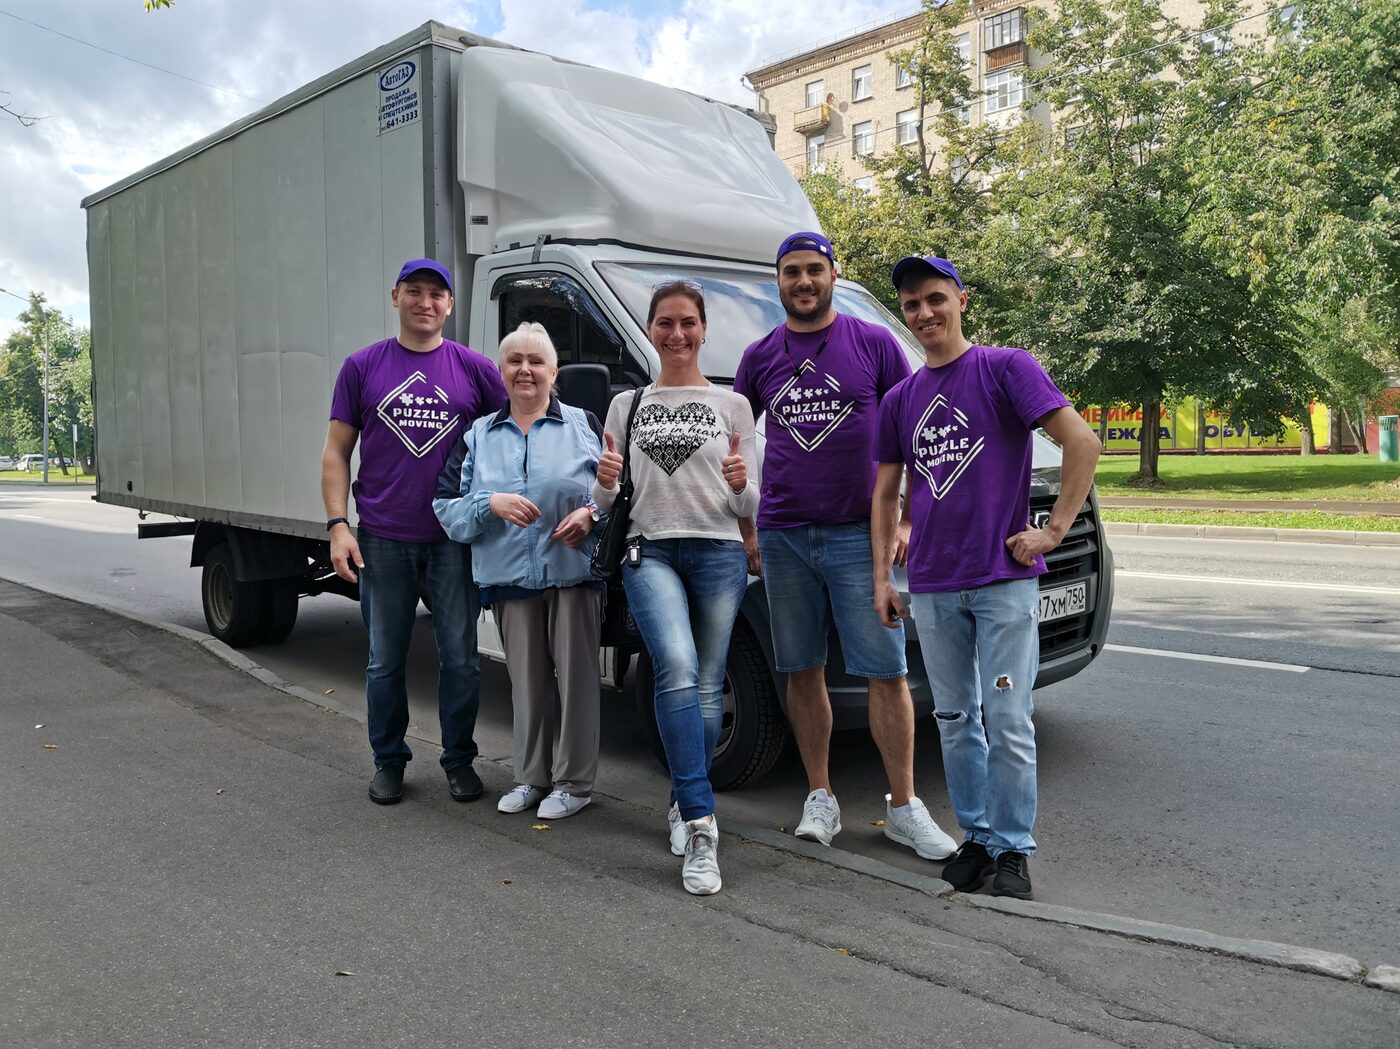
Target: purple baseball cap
x=413 y=266
x=930 y=265
x=807 y=242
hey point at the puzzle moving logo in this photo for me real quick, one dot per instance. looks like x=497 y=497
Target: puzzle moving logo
x=419 y=413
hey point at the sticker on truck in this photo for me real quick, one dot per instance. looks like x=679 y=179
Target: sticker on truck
x=398 y=96
x=1064 y=601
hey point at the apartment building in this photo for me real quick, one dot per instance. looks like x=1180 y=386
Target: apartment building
x=846 y=99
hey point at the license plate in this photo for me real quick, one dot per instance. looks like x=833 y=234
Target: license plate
x=1063 y=601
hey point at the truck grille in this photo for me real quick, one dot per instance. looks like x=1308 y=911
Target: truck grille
x=1078 y=557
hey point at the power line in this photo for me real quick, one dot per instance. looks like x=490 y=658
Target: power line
x=129 y=58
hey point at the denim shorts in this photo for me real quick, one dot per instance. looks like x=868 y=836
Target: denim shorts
x=814 y=572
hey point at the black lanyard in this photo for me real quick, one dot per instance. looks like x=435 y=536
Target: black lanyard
x=797 y=371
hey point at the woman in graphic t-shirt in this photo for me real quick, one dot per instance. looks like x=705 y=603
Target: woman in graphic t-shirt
x=694 y=475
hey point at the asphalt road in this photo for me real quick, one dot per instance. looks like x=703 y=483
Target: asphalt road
x=190 y=861
x=1246 y=799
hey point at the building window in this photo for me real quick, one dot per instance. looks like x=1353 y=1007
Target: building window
x=965 y=48
x=1000 y=30
x=816 y=93
x=866 y=184
x=902 y=77
x=863 y=138
x=907 y=127
x=862 y=83
x=815 y=143
x=1003 y=91
x=1072 y=134
x=1215 y=41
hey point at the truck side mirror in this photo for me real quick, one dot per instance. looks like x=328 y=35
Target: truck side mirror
x=586 y=386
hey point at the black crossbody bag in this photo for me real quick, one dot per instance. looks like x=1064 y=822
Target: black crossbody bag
x=612 y=541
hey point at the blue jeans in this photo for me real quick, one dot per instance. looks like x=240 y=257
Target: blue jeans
x=826 y=571
x=981 y=651
x=684 y=596
x=389 y=593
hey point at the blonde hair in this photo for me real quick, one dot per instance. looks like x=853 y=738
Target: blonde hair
x=531 y=335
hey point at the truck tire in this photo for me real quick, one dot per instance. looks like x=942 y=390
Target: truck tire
x=234 y=612
x=282 y=597
x=754 y=732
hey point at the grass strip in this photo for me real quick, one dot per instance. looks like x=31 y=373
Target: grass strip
x=1262 y=519
x=1350 y=478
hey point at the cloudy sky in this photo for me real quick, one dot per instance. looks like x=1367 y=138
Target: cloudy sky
x=108 y=114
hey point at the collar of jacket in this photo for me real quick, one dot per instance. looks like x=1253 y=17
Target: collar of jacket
x=552 y=412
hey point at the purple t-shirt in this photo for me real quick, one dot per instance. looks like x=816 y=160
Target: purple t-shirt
x=964 y=431
x=822 y=395
x=410 y=409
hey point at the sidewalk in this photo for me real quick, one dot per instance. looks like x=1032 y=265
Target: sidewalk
x=192 y=861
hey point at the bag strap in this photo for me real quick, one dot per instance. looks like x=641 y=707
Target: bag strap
x=626 y=477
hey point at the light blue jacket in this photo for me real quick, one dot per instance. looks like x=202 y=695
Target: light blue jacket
x=553 y=466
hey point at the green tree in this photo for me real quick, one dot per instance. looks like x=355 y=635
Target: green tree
x=1298 y=177
x=1115 y=290
x=22 y=382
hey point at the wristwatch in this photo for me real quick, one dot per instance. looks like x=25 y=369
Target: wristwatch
x=593 y=513
x=335 y=521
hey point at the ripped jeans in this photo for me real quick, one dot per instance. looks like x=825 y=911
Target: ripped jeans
x=981 y=651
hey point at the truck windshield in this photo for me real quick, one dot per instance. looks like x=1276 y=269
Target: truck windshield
x=741 y=306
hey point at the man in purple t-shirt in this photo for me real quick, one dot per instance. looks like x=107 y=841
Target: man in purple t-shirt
x=408 y=401
x=820 y=377
x=961 y=427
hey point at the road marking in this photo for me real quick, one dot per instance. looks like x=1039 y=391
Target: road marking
x=1259 y=664
x=29 y=517
x=1341 y=588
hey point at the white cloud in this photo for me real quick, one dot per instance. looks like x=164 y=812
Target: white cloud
x=107 y=117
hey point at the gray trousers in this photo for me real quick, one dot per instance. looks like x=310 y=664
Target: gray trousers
x=551 y=643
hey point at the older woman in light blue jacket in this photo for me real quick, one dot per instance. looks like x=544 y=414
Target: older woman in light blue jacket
x=525 y=507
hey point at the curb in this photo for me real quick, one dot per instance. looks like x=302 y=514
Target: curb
x=1277 y=535
x=1263 y=952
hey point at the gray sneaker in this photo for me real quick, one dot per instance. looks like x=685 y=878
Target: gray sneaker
x=917 y=829
x=700 y=872
x=821 y=817
x=676 y=829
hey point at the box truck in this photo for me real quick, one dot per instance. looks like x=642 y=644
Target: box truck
x=230 y=280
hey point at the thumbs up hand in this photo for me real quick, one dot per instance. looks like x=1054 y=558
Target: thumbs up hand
x=610 y=465
x=736 y=474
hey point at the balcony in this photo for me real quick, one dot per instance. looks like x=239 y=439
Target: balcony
x=813 y=118
x=1008 y=56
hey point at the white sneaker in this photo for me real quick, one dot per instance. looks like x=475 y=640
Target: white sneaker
x=917 y=829
x=561 y=803
x=677 y=830
x=521 y=797
x=700 y=872
x=821 y=817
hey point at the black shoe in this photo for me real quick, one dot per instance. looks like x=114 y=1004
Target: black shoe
x=464 y=783
x=387 y=786
x=968 y=867
x=1013 y=877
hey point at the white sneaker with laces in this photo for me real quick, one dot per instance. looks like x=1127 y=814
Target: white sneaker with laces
x=561 y=803
x=520 y=797
x=917 y=829
x=821 y=817
x=700 y=872
x=677 y=830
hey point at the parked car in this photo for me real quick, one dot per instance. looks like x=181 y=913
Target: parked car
x=6 y=463
x=32 y=462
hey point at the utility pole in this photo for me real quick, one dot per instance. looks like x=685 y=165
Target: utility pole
x=45 y=315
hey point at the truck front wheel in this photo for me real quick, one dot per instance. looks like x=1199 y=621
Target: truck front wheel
x=234 y=611
x=754 y=731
